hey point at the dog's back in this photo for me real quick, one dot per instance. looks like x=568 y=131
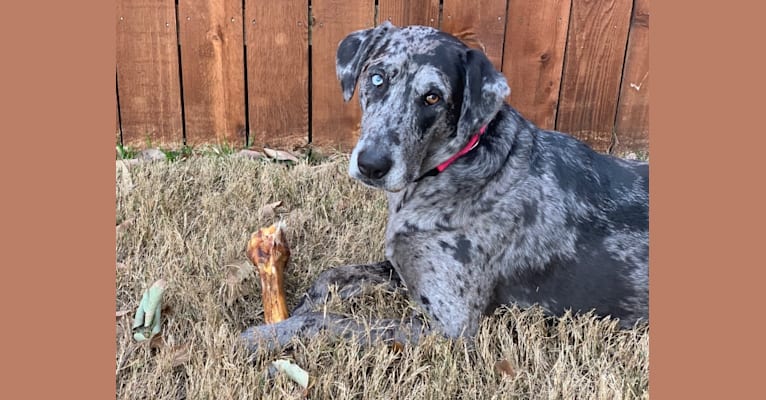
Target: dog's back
x=594 y=209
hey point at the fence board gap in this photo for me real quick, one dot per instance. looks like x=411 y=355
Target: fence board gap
x=534 y=57
x=632 y=125
x=595 y=51
x=147 y=73
x=277 y=72
x=118 y=130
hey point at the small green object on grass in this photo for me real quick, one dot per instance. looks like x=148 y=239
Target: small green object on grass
x=294 y=372
x=147 y=321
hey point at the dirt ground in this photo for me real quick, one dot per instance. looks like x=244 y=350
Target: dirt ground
x=188 y=222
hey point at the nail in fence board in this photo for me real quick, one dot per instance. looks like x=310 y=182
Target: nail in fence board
x=277 y=72
x=212 y=69
x=414 y=12
x=335 y=123
x=533 y=58
x=632 y=128
x=598 y=33
x=147 y=73
x=481 y=21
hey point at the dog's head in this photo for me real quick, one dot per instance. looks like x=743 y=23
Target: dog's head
x=423 y=94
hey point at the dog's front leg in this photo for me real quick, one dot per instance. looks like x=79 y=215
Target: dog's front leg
x=351 y=280
x=453 y=296
x=308 y=325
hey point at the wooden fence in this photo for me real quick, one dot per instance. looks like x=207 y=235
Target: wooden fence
x=263 y=72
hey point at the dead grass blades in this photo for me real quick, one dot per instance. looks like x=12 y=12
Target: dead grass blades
x=188 y=223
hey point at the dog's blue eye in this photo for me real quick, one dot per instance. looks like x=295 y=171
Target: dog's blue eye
x=376 y=80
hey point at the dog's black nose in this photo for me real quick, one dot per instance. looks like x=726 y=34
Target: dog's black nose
x=373 y=164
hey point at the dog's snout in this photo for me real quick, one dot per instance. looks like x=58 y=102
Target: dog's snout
x=373 y=164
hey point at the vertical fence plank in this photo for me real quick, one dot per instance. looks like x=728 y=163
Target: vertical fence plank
x=278 y=72
x=632 y=127
x=212 y=66
x=147 y=73
x=414 y=12
x=334 y=124
x=590 y=86
x=533 y=57
x=484 y=19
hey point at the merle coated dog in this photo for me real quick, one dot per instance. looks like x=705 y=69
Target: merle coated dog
x=485 y=208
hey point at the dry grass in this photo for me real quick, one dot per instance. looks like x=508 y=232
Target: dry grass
x=190 y=219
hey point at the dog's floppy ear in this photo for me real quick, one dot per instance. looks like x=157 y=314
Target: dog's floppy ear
x=353 y=52
x=483 y=94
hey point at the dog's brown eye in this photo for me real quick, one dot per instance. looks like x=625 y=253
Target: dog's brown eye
x=431 y=99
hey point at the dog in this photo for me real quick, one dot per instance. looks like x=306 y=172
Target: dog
x=484 y=208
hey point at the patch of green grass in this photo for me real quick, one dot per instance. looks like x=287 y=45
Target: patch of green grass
x=217 y=150
x=315 y=157
x=180 y=154
x=642 y=155
x=125 y=153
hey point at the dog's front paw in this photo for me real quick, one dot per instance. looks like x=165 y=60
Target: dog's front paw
x=277 y=335
x=269 y=336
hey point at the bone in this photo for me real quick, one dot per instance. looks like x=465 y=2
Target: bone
x=269 y=252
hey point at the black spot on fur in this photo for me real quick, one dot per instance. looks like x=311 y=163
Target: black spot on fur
x=425 y=117
x=410 y=227
x=462 y=252
x=574 y=282
x=486 y=206
x=630 y=216
x=529 y=216
x=395 y=139
x=348 y=50
x=425 y=300
x=383 y=48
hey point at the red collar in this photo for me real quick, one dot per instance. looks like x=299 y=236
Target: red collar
x=468 y=147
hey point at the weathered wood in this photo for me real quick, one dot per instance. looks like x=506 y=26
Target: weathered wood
x=278 y=72
x=533 y=58
x=598 y=33
x=409 y=12
x=213 y=71
x=334 y=123
x=481 y=22
x=147 y=71
x=632 y=127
